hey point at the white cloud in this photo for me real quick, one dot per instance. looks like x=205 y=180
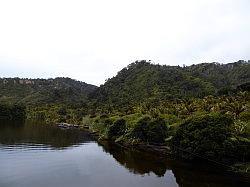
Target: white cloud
x=91 y=40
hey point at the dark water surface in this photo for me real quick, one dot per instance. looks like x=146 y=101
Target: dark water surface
x=35 y=155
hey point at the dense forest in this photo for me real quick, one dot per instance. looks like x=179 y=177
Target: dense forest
x=143 y=81
x=35 y=92
x=200 y=111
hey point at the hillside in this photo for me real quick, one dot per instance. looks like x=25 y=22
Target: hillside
x=224 y=77
x=138 y=82
x=143 y=81
x=43 y=91
x=200 y=112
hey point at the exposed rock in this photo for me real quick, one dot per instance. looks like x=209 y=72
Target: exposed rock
x=67 y=125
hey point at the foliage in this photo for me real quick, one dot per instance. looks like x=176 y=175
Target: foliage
x=143 y=81
x=203 y=136
x=57 y=113
x=150 y=130
x=245 y=116
x=12 y=112
x=34 y=92
x=242 y=128
x=116 y=129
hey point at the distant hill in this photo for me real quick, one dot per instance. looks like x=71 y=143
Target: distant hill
x=143 y=81
x=43 y=91
x=224 y=77
x=138 y=82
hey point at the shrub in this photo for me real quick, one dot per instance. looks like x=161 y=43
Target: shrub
x=150 y=130
x=116 y=129
x=241 y=128
x=157 y=131
x=62 y=111
x=244 y=116
x=202 y=135
x=237 y=149
x=12 y=112
x=171 y=119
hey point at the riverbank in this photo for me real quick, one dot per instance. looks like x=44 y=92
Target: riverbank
x=212 y=128
x=72 y=157
x=100 y=132
x=160 y=150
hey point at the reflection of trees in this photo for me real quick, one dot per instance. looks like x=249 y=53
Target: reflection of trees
x=204 y=174
x=186 y=174
x=213 y=177
x=39 y=133
x=136 y=161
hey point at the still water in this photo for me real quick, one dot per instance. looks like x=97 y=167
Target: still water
x=35 y=155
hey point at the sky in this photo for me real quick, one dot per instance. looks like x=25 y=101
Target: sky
x=91 y=40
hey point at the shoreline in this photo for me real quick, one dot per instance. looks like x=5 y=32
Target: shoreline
x=162 y=151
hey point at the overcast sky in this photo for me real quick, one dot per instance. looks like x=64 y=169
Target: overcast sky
x=90 y=40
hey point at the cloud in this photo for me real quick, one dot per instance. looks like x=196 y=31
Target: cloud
x=91 y=40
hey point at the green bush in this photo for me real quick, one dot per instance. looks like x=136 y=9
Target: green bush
x=150 y=130
x=242 y=128
x=244 y=116
x=116 y=129
x=62 y=111
x=202 y=135
x=171 y=118
x=237 y=149
x=12 y=112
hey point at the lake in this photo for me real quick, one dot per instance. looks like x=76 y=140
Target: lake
x=36 y=155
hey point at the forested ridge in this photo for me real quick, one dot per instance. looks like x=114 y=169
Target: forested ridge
x=143 y=81
x=36 y=92
x=139 y=81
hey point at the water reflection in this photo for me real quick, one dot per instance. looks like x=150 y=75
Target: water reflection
x=79 y=161
x=136 y=161
x=186 y=174
x=37 y=133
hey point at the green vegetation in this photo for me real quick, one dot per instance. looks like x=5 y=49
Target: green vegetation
x=12 y=112
x=36 y=92
x=150 y=130
x=205 y=134
x=142 y=83
x=116 y=129
x=213 y=128
x=54 y=113
x=200 y=111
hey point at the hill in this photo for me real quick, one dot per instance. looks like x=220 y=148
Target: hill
x=143 y=81
x=43 y=91
x=138 y=82
x=224 y=77
x=200 y=112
